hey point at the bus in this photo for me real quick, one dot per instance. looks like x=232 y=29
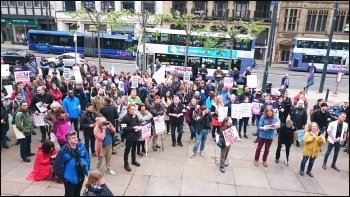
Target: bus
x=168 y=46
x=308 y=51
x=58 y=42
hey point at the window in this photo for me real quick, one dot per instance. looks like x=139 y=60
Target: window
x=340 y=21
x=37 y=4
x=3 y=3
x=316 y=20
x=323 y=45
x=29 y=4
x=128 y=5
x=241 y=9
x=88 y=4
x=220 y=9
x=12 y=3
x=69 y=6
x=107 y=5
x=20 y=4
x=290 y=20
x=45 y=4
x=149 y=6
x=179 y=6
x=320 y=59
x=173 y=26
x=199 y=8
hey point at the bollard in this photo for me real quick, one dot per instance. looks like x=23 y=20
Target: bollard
x=327 y=93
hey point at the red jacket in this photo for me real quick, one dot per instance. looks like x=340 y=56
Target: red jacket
x=42 y=166
x=26 y=92
x=56 y=95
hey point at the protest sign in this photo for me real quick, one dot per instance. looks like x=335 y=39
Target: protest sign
x=187 y=76
x=236 y=111
x=159 y=75
x=228 y=82
x=222 y=113
x=252 y=81
x=146 y=130
x=231 y=135
x=134 y=82
x=66 y=73
x=77 y=74
x=256 y=108
x=246 y=109
x=8 y=89
x=22 y=76
x=159 y=125
x=5 y=70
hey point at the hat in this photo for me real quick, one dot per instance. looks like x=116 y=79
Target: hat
x=324 y=105
x=257 y=90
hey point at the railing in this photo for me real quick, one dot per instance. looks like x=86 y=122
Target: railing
x=181 y=10
x=220 y=13
x=200 y=12
x=262 y=15
x=241 y=14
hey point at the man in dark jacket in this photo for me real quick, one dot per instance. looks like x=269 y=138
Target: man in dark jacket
x=130 y=125
x=246 y=93
x=322 y=117
x=299 y=117
x=80 y=94
x=110 y=112
x=176 y=113
x=46 y=100
x=87 y=124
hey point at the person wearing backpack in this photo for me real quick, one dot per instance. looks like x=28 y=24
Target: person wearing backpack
x=321 y=117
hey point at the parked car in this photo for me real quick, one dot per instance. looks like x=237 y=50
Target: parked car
x=68 y=59
x=11 y=56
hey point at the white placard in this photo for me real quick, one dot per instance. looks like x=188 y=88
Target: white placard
x=228 y=82
x=231 y=135
x=8 y=89
x=246 y=109
x=236 y=111
x=339 y=77
x=41 y=107
x=77 y=74
x=112 y=71
x=222 y=113
x=5 y=70
x=66 y=73
x=159 y=75
x=159 y=125
x=252 y=81
x=39 y=119
x=134 y=82
x=187 y=76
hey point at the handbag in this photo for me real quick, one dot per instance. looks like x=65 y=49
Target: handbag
x=220 y=144
x=19 y=134
x=215 y=122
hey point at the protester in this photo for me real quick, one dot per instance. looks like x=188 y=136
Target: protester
x=144 y=116
x=176 y=113
x=87 y=125
x=73 y=108
x=95 y=185
x=61 y=126
x=285 y=140
x=226 y=123
x=4 y=125
x=202 y=129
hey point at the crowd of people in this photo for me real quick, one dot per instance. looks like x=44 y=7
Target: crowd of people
x=109 y=109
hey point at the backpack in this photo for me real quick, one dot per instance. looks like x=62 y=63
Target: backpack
x=13 y=122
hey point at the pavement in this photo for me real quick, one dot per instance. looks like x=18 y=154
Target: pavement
x=174 y=173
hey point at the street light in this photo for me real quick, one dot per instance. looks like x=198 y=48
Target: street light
x=271 y=39
x=326 y=59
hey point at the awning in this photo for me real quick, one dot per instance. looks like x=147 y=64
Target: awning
x=286 y=43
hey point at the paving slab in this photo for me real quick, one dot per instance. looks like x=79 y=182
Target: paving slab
x=34 y=190
x=12 y=188
x=250 y=177
x=311 y=185
x=118 y=183
x=332 y=186
x=53 y=191
x=198 y=188
x=227 y=190
x=200 y=172
x=168 y=169
x=284 y=181
x=137 y=185
x=277 y=192
x=147 y=166
x=253 y=191
x=160 y=186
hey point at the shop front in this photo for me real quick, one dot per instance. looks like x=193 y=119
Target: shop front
x=15 y=30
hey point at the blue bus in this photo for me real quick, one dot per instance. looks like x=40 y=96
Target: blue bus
x=307 y=50
x=58 y=42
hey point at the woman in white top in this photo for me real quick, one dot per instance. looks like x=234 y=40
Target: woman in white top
x=166 y=101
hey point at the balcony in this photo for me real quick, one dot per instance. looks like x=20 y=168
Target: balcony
x=220 y=13
x=262 y=15
x=200 y=12
x=241 y=14
x=181 y=10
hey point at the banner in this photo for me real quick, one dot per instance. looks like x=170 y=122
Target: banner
x=256 y=108
x=32 y=67
x=222 y=113
x=246 y=109
x=228 y=82
x=5 y=70
x=66 y=73
x=146 y=130
x=22 y=76
x=236 y=111
x=77 y=74
x=159 y=125
x=231 y=135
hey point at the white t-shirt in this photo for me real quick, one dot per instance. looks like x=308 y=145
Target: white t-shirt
x=332 y=127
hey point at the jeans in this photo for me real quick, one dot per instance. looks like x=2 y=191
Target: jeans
x=303 y=163
x=3 y=137
x=25 y=146
x=278 y=151
x=73 y=189
x=217 y=84
x=74 y=122
x=234 y=122
x=89 y=137
x=257 y=119
x=192 y=130
x=329 y=150
x=322 y=129
x=201 y=138
x=261 y=142
x=130 y=145
x=243 y=122
x=179 y=130
x=141 y=145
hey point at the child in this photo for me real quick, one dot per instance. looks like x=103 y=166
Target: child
x=95 y=185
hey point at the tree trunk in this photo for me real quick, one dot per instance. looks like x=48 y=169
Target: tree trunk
x=186 y=53
x=231 y=51
x=144 y=56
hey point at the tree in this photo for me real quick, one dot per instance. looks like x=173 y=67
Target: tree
x=251 y=28
x=107 y=17
x=146 y=20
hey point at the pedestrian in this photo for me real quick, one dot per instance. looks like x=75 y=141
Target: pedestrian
x=203 y=126
x=61 y=65
x=167 y=99
x=144 y=116
x=87 y=125
x=72 y=164
x=245 y=75
x=73 y=108
x=103 y=133
x=61 y=126
x=226 y=123
x=268 y=123
x=192 y=112
x=45 y=66
x=321 y=117
x=313 y=140
x=95 y=185
x=218 y=75
x=23 y=124
x=299 y=117
x=203 y=72
x=243 y=122
x=215 y=107
x=336 y=137
x=285 y=140
x=156 y=110
x=176 y=113
x=130 y=125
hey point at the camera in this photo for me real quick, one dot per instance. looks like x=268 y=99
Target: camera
x=106 y=123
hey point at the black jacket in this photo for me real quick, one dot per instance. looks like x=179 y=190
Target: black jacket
x=127 y=124
x=249 y=95
x=286 y=135
x=86 y=119
x=204 y=122
x=172 y=109
x=102 y=191
x=299 y=117
x=110 y=112
x=45 y=99
x=79 y=93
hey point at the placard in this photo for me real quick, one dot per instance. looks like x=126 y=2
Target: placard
x=246 y=110
x=159 y=125
x=146 y=130
x=256 y=108
x=187 y=76
x=77 y=74
x=5 y=70
x=159 y=75
x=252 y=81
x=22 y=76
x=228 y=82
x=339 y=77
x=9 y=89
x=236 y=111
x=222 y=113
x=134 y=82
x=66 y=73
x=231 y=135
x=39 y=119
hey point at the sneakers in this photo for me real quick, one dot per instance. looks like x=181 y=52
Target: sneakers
x=192 y=155
x=324 y=166
x=26 y=159
x=335 y=168
x=286 y=163
x=264 y=164
x=256 y=163
x=180 y=144
x=301 y=173
x=111 y=172
x=222 y=169
x=310 y=174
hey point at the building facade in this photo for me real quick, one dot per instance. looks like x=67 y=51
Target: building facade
x=308 y=20
x=17 y=17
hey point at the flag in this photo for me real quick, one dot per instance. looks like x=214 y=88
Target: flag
x=310 y=78
x=32 y=66
x=159 y=75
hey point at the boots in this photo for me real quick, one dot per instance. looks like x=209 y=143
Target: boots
x=127 y=167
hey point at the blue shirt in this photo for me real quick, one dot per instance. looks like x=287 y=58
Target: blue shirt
x=269 y=133
x=108 y=139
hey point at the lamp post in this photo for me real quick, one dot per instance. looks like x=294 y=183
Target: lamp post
x=271 y=40
x=326 y=59
x=76 y=47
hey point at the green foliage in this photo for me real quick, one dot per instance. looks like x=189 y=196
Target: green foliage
x=132 y=48
x=210 y=39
